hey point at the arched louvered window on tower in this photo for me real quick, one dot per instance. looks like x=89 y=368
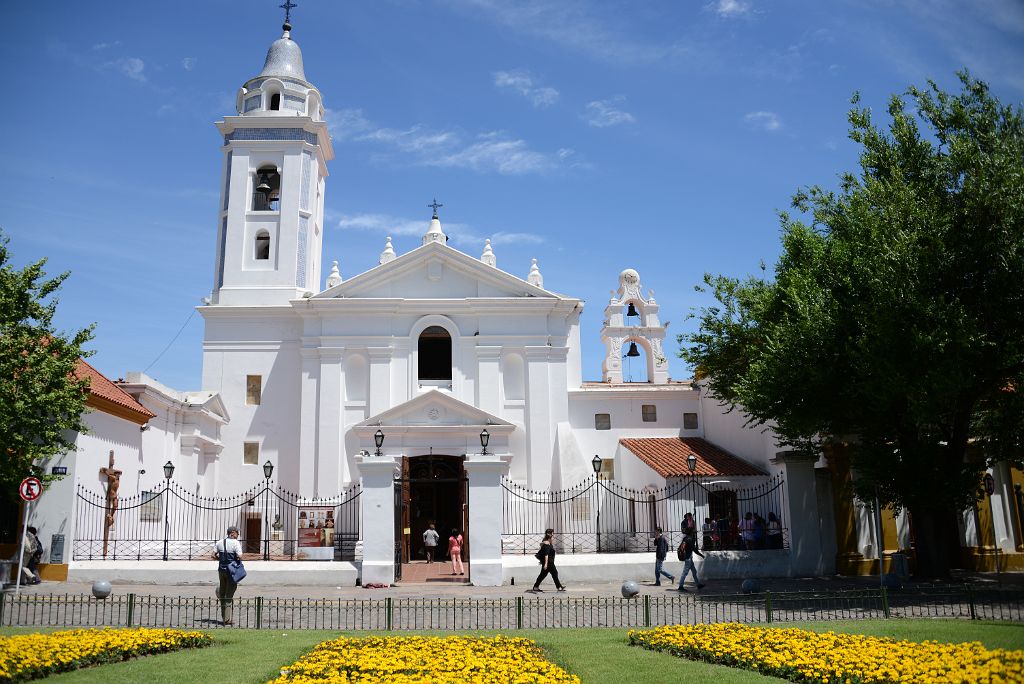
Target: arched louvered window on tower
x=261 y=246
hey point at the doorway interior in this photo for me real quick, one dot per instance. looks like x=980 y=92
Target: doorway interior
x=433 y=489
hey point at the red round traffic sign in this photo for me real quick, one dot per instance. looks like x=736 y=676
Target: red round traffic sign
x=30 y=488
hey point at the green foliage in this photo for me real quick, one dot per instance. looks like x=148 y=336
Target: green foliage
x=41 y=401
x=896 y=315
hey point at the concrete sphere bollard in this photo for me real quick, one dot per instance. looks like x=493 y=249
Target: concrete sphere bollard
x=750 y=586
x=630 y=589
x=101 y=589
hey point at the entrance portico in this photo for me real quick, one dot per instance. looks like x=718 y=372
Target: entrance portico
x=431 y=451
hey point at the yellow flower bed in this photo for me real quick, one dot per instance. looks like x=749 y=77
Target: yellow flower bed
x=32 y=656
x=831 y=658
x=439 y=660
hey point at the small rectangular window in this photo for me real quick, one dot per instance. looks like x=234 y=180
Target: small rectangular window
x=251 y=453
x=602 y=421
x=689 y=421
x=608 y=469
x=650 y=413
x=150 y=508
x=253 y=389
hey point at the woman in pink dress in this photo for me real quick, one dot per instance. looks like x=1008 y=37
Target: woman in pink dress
x=455 y=552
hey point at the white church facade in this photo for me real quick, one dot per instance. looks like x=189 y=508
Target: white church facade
x=433 y=387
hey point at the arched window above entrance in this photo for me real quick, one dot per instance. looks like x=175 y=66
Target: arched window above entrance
x=435 y=357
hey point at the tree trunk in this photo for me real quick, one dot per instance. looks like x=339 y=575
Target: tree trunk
x=933 y=542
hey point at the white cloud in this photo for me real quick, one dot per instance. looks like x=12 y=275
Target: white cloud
x=345 y=123
x=423 y=146
x=132 y=67
x=765 y=121
x=730 y=8
x=414 y=139
x=104 y=46
x=604 y=113
x=189 y=63
x=521 y=82
x=494 y=153
x=594 y=29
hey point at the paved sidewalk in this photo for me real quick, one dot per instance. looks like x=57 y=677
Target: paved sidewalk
x=248 y=589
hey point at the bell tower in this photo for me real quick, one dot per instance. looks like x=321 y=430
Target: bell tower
x=630 y=324
x=276 y=149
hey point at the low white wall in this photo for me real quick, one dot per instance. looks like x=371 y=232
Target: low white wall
x=614 y=567
x=185 y=573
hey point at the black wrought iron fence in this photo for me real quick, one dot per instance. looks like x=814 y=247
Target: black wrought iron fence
x=173 y=523
x=648 y=610
x=601 y=516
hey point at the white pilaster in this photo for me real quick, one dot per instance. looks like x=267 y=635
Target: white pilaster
x=489 y=385
x=378 y=502
x=329 y=452
x=484 y=473
x=380 y=379
x=539 y=428
x=308 y=412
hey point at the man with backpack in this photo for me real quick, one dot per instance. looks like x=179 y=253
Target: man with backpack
x=660 y=554
x=687 y=548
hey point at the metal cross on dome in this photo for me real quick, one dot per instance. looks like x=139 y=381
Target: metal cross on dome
x=288 y=6
x=435 y=205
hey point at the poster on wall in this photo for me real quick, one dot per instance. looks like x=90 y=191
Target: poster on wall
x=316 y=526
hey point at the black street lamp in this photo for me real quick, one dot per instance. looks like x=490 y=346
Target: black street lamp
x=268 y=470
x=485 y=437
x=378 y=439
x=691 y=462
x=596 y=464
x=168 y=474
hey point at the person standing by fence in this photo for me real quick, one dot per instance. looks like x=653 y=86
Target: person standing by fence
x=546 y=556
x=227 y=550
x=660 y=554
x=455 y=552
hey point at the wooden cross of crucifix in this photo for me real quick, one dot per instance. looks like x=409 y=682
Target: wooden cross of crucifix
x=113 y=476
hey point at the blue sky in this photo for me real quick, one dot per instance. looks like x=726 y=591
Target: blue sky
x=593 y=136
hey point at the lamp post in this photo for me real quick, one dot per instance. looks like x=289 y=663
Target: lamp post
x=378 y=439
x=168 y=474
x=268 y=470
x=596 y=464
x=691 y=464
x=485 y=437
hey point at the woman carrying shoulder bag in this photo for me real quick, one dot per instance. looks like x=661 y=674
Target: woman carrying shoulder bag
x=229 y=561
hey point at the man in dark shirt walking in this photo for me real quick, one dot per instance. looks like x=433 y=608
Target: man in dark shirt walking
x=685 y=552
x=660 y=553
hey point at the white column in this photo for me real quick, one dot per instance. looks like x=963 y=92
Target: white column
x=308 y=413
x=378 y=502
x=484 y=473
x=329 y=452
x=805 y=546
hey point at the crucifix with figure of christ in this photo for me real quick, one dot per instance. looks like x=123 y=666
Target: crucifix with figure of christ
x=113 y=482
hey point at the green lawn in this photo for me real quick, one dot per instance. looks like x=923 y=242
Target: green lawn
x=596 y=655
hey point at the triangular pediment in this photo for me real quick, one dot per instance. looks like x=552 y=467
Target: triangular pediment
x=434 y=409
x=434 y=271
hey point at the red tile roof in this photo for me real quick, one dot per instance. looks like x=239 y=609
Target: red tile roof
x=667 y=456
x=109 y=398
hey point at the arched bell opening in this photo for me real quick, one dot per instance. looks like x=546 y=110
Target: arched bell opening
x=637 y=363
x=266 y=191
